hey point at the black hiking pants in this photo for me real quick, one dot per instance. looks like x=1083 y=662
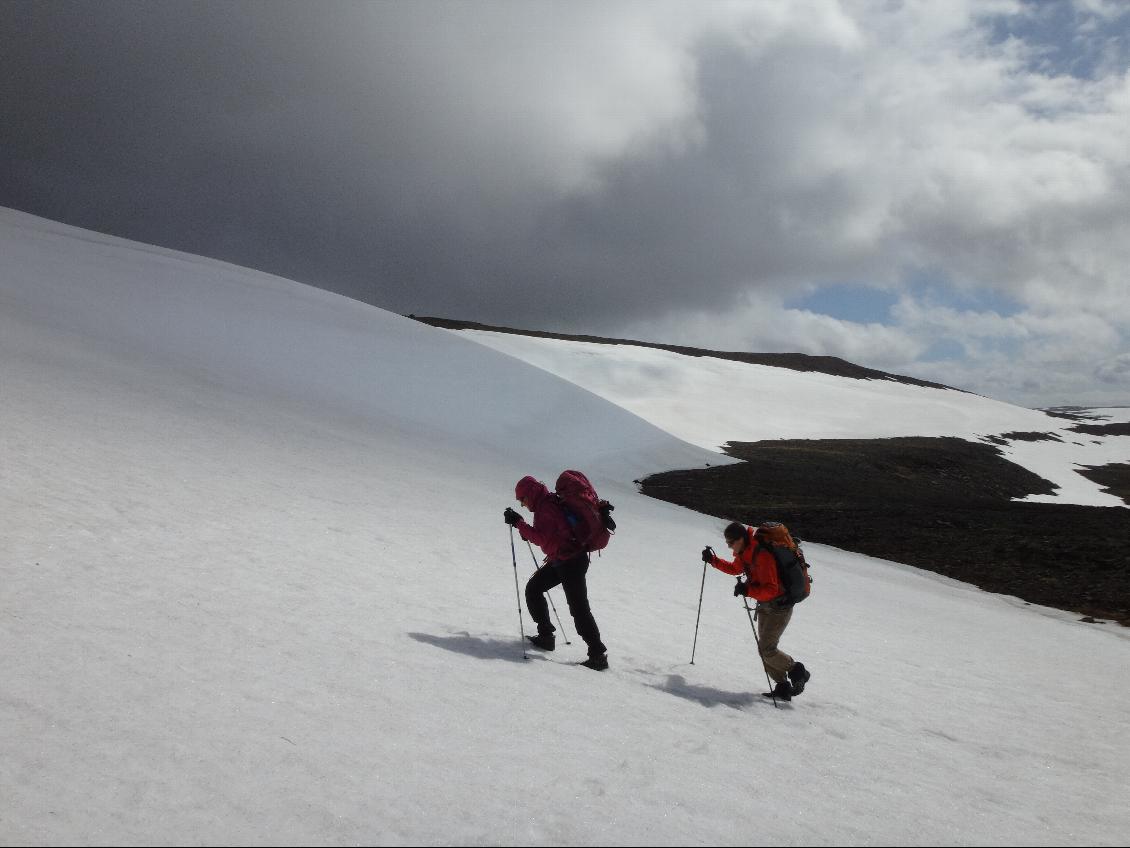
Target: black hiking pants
x=569 y=575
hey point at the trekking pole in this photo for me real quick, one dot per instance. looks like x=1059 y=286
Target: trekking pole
x=749 y=612
x=697 y=617
x=518 y=595
x=560 y=627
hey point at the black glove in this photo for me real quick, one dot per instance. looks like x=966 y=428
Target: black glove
x=739 y=589
x=511 y=517
x=708 y=554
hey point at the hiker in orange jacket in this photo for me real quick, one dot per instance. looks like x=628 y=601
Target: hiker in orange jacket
x=762 y=583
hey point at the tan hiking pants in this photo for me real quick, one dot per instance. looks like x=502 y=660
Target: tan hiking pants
x=771 y=623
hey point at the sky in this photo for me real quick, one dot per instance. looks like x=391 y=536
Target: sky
x=936 y=189
x=246 y=599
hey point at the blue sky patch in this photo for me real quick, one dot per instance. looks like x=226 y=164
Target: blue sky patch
x=1068 y=40
x=849 y=302
x=864 y=304
x=934 y=292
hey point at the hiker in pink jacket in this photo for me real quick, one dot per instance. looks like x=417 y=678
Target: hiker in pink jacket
x=566 y=564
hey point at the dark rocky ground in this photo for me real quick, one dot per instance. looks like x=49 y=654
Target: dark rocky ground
x=939 y=504
x=1120 y=429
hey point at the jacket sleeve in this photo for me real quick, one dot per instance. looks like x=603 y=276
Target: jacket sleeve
x=727 y=567
x=546 y=531
x=529 y=533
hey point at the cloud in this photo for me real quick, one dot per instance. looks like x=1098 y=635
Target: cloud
x=764 y=324
x=951 y=153
x=1115 y=370
x=1030 y=358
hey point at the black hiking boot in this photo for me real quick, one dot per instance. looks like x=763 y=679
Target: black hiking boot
x=783 y=691
x=545 y=641
x=799 y=676
x=599 y=662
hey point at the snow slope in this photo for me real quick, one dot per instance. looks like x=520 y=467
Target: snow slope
x=256 y=590
x=710 y=401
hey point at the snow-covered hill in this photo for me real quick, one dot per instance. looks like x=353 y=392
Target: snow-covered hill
x=256 y=589
x=710 y=401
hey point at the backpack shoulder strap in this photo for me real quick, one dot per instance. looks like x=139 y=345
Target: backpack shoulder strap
x=757 y=548
x=772 y=549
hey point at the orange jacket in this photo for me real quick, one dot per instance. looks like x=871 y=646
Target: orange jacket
x=761 y=572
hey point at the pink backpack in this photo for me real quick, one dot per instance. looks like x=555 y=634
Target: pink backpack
x=588 y=515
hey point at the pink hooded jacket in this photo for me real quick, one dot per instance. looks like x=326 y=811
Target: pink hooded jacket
x=550 y=531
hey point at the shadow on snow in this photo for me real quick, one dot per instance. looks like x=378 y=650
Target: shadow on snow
x=509 y=650
x=708 y=696
x=475 y=646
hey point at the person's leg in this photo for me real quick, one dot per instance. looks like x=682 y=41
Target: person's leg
x=799 y=677
x=577 y=594
x=771 y=623
x=544 y=579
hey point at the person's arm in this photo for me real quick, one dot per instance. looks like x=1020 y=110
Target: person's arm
x=725 y=566
x=529 y=533
x=545 y=532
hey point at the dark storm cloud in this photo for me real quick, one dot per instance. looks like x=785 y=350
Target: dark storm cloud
x=337 y=145
x=222 y=129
